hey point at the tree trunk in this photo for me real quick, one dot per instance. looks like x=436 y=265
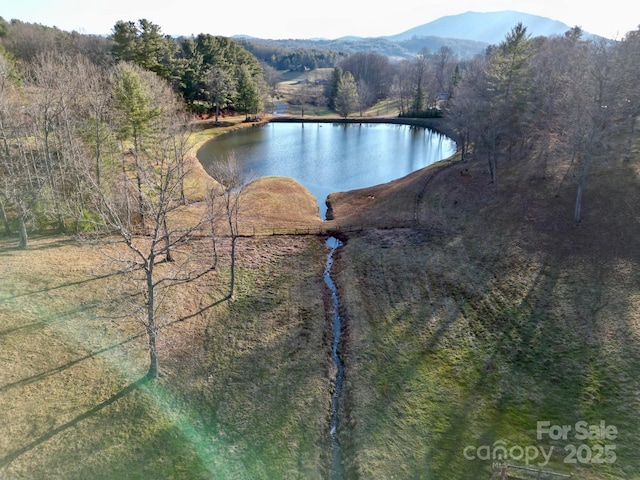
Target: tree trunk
x=98 y=156
x=3 y=217
x=577 y=212
x=217 y=108
x=493 y=167
x=150 y=324
x=153 y=353
x=23 y=237
x=136 y=158
x=140 y=197
x=167 y=239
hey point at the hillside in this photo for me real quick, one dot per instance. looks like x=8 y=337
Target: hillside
x=496 y=314
x=489 y=27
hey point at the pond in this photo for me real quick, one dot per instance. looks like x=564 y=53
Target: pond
x=331 y=157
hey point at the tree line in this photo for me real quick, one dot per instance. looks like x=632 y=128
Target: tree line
x=210 y=72
x=77 y=112
x=214 y=73
x=537 y=96
x=300 y=58
x=364 y=79
x=542 y=98
x=101 y=149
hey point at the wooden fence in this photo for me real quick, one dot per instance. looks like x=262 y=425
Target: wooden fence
x=318 y=229
x=513 y=472
x=329 y=229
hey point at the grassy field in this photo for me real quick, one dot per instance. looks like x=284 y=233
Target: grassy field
x=293 y=82
x=496 y=314
x=491 y=313
x=244 y=389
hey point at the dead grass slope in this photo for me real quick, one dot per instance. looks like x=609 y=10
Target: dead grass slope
x=245 y=385
x=494 y=313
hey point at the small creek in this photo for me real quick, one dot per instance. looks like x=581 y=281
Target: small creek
x=337 y=470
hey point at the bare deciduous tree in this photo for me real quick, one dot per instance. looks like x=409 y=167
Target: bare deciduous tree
x=225 y=203
x=158 y=166
x=595 y=101
x=21 y=171
x=152 y=259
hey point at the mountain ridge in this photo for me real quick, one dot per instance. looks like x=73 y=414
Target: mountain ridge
x=466 y=34
x=487 y=27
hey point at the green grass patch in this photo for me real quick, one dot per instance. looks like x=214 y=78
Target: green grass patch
x=453 y=356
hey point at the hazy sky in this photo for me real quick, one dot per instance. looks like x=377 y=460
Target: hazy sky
x=305 y=18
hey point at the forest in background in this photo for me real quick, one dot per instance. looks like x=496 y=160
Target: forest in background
x=527 y=96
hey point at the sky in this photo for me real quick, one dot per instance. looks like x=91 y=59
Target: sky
x=278 y=19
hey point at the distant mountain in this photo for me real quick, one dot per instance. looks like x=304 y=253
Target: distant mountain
x=466 y=34
x=489 y=28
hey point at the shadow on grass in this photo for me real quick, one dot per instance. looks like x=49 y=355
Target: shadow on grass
x=555 y=354
x=58 y=369
x=52 y=319
x=196 y=313
x=10 y=457
x=10 y=243
x=53 y=371
x=62 y=285
x=265 y=398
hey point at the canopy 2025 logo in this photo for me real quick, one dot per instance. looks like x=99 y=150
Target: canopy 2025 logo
x=586 y=443
x=583 y=431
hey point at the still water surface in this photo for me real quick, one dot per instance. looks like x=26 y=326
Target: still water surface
x=326 y=157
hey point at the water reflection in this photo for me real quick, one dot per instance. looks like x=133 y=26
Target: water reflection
x=326 y=157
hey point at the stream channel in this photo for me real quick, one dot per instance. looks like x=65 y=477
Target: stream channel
x=325 y=158
x=337 y=470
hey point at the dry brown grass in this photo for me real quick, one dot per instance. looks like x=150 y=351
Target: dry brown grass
x=278 y=201
x=244 y=381
x=61 y=355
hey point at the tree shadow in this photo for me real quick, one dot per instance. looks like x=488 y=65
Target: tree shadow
x=11 y=456
x=10 y=243
x=200 y=311
x=53 y=371
x=60 y=368
x=62 y=285
x=52 y=319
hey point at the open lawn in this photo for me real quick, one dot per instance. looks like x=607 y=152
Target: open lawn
x=244 y=391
